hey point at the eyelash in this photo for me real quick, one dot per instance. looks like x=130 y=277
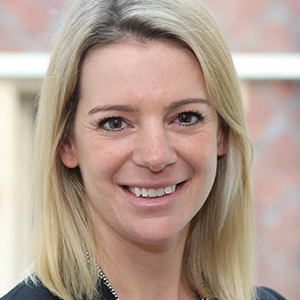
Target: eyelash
x=200 y=118
x=102 y=123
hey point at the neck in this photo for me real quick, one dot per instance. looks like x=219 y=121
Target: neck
x=143 y=271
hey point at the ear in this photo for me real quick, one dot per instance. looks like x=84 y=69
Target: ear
x=222 y=142
x=67 y=153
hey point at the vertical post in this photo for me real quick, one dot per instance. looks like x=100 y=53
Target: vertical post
x=10 y=185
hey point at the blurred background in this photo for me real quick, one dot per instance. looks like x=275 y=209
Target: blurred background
x=264 y=36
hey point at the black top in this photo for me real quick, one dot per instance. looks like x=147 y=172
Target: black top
x=36 y=291
x=31 y=291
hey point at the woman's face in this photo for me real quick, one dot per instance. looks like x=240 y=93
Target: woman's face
x=146 y=140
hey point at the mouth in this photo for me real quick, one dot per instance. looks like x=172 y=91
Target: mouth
x=152 y=193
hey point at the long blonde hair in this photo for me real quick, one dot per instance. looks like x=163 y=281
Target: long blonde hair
x=219 y=256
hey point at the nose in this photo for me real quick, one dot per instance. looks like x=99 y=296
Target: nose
x=154 y=150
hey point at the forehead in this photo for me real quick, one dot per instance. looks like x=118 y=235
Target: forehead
x=141 y=70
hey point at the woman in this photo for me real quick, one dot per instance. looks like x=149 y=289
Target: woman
x=141 y=160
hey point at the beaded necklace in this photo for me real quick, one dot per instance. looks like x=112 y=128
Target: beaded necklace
x=105 y=280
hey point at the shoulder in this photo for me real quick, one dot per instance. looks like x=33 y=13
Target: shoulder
x=29 y=291
x=268 y=294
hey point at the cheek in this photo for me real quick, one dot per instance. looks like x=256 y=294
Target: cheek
x=101 y=159
x=200 y=151
x=202 y=158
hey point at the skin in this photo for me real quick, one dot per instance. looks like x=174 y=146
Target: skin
x=144 y=120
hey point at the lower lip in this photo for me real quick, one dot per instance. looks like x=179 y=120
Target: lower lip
x=155 y=202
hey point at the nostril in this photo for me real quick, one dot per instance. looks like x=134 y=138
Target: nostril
x=153 y=158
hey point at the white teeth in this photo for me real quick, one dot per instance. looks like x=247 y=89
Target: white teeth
x=144 y=192
x=168 y=190
x=137 y=192
x=152 y=193
x=160 y=192
x=173 y=187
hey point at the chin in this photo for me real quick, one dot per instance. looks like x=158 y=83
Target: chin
x=160 y=233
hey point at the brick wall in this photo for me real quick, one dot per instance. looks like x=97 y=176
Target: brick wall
x=256 y=25
x=259 y=25
x=27 y=25
x=273 y=110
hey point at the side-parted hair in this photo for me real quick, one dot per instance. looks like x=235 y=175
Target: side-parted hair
x=219 y=256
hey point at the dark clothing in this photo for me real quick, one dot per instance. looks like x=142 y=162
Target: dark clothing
x=268 y=294
x=30 y=291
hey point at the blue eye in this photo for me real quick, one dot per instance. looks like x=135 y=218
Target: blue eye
x=113 y=124
x=189 y=118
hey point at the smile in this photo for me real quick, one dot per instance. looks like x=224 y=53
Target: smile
x=151 y=193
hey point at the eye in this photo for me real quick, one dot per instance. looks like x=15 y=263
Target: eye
x=113 y=124
x=189 y=118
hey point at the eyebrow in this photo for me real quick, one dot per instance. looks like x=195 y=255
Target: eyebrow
x=125 y=108
x=129 y=108
x=179 y=103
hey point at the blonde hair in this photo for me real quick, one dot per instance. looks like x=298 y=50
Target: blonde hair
x=219 y=256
